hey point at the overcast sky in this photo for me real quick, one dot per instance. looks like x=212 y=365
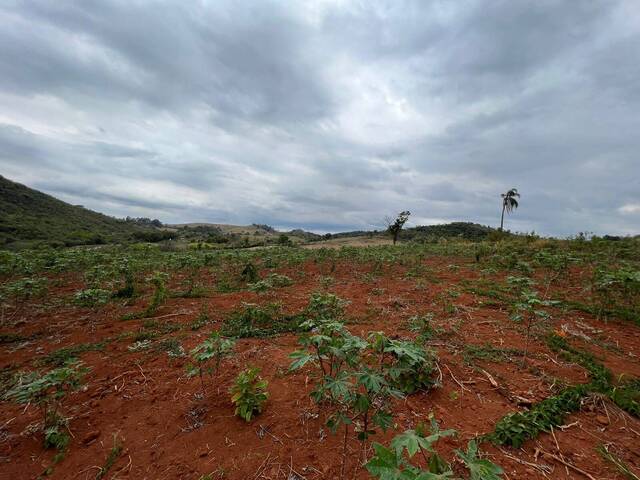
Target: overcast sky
x=328 y=115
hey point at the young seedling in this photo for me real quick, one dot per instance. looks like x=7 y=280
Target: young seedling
x=528 y=309
x=249 y=393
x=113 y=456
x=208 y=356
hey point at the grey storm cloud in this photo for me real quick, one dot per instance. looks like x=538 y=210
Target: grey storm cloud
x=328 y=115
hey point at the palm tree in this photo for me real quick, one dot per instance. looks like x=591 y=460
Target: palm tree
x=509 y=203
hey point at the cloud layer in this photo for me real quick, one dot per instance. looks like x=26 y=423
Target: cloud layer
x=328 y=115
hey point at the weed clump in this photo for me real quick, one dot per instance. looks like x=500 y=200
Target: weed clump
x=259 y=321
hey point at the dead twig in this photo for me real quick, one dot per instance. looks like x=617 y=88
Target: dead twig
x=184 y=312
x=262 y=466
x=544 y=469
x=553 y=434
x=492 y=380
x=456 y=380
x=567 y=464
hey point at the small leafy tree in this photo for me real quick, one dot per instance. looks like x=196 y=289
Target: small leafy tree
x=208 y=356
x=421 y=324
x=509 y=203
x=48 y=392
x=249 y=393
x=191 y=287
x=249 y=273
x=394 y=227
x=284 y=240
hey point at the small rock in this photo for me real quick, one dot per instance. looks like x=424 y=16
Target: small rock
x=602 y=420
x=90 y=437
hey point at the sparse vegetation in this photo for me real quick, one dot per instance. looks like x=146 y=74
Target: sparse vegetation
x=48 y=391
x=371 y=343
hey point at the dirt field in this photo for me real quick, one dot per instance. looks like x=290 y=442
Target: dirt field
x=144 y=401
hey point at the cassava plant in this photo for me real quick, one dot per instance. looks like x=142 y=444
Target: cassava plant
x=357 y=379
x=125 y=269
x=22 y=291
x=92 y=297
x=396 y=462
x=408 y=366
x=208 y=356
x=529 y=309
x=615 y=289
x=158 y=280
x=47 y=391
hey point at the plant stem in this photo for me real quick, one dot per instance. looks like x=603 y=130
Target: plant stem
x=344 y=450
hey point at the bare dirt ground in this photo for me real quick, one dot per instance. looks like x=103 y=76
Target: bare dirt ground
x=168 y=430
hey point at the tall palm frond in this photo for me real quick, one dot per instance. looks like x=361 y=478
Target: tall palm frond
x=509 y=200
x=509 y=203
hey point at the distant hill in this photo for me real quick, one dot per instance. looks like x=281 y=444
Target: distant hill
x=238 y=235
x=466 y=230
x=29 y=217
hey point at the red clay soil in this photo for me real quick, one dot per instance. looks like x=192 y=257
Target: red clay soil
x=169 y=430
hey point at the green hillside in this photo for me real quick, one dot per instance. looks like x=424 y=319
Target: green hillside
x=466 y=230
x=29 y=217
